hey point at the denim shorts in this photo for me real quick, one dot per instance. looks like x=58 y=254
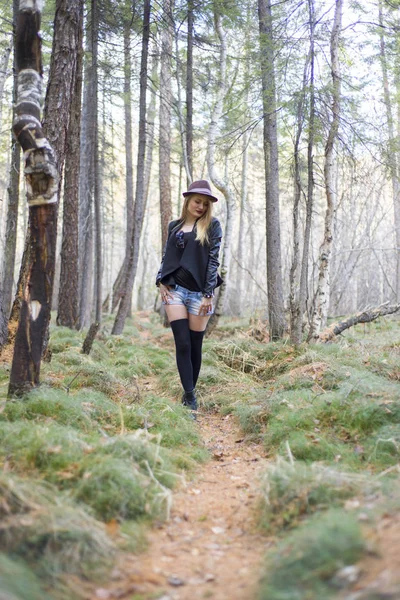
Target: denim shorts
x=185 y=297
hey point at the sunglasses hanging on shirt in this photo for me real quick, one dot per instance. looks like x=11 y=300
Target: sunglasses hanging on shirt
x=180 y=242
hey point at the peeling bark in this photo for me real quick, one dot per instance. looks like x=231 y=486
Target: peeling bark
x=43 y=167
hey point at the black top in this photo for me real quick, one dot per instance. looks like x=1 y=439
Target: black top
x=200 y=260
x=182 y=276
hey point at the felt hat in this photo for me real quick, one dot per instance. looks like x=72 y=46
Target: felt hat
x=200 y=187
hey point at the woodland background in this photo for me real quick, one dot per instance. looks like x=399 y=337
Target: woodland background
x=292 y=110
x=200 y=112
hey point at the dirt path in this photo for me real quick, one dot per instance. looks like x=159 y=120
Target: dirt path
x=210 y=547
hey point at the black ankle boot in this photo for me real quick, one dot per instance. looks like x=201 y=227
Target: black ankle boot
x=189 y=399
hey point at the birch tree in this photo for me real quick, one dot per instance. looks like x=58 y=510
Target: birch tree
x=44 y=159
x=41 y=178
x=320 y=312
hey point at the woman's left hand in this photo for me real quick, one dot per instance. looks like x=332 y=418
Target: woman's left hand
x=206 y=307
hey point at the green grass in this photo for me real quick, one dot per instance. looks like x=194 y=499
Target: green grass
x=89 y=446
x=335 y=409
x=292 y=491
x=18 y=581
x=50 y=531
x=92 y=445
x=304 y=564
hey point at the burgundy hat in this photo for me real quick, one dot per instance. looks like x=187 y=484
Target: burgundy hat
x=200 y=187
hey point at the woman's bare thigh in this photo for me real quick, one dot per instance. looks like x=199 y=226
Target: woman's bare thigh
x=176 y=311
x=197 y=322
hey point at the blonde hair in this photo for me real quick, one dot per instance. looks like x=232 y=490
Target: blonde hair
x=203 y=223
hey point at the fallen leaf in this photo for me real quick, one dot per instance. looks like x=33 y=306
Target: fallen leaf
x=112 y=527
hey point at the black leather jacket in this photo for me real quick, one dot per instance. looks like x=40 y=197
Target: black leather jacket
x=201 y=261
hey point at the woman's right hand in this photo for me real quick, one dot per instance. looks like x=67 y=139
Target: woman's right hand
x=165 y=292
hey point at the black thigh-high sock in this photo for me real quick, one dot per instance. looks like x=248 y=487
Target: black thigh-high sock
x=196 y=338
x=180 y=329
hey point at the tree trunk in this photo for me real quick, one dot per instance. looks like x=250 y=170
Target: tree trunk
x=320 y=313
x=12 y=212
x=393 y=149
x=165 y=122
x=132 y=259
x=60 y=91
x=240 y=280
x=180 y=115
x=274 y=261
x=3 y=74
x=96 y=165
x=56 y=118
x=117 y=287
x=242 y=246
x=189 y=90
x=150 y=120
x=90 y=336
x=86 y=185
x=294 y=298
x=299 y=272
x=220 y=183
x=42 y=187
x=68 y=300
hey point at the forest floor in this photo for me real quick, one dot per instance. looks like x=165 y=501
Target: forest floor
x=212 y=545
x=211 y=533
x=285 y=488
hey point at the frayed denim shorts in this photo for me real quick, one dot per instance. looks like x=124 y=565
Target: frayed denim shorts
x=183 y=296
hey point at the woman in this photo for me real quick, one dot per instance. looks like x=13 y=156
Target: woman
x=187 y=278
